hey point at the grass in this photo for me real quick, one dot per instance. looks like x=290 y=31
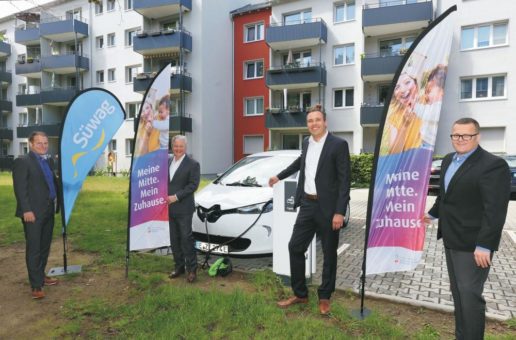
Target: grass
x=150 y=306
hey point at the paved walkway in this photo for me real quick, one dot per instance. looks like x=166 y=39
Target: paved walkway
x=428 y=284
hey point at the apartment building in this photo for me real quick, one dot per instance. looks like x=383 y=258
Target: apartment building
x=343 y=54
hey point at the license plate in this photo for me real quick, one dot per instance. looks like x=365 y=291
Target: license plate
x=204 y=246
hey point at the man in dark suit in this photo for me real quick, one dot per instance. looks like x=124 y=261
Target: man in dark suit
x=471 y=208
x=322 y=195
x=184 y=177
x=35 y=188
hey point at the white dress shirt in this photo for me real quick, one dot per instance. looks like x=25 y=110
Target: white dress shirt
x=173 y=166
x=312 y=160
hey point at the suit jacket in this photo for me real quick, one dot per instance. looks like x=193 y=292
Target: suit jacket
x=332 y=179
x=30 y=187
x=184 y=183
x=472 y=211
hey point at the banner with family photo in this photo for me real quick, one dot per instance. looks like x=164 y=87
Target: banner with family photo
x=148 y=205
x=395 y=229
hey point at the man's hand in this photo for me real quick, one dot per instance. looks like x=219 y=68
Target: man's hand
x=29 y=217
x=428 y=219
x=172 y=199
x=482 y=258
x=338 y=221
x=273 y=180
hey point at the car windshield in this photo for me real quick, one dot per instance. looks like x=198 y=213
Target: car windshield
x=437 y=163
x=255 y=171
x=511 y=161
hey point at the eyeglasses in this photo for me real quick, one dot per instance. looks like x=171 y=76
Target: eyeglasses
x=465 y=138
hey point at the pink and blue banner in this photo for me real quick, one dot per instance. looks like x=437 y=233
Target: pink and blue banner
x=92 y=119
x=395 y=227
x=148 y=204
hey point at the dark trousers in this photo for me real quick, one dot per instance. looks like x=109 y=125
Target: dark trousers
x=311 y=221
x=38 y=237
x=182 y=241
x=467 y=284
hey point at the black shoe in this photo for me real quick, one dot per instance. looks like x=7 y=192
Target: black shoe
x=192 y=276
x=176 y=273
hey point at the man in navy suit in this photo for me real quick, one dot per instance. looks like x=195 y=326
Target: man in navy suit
x=471 y=208
x=322 y=195
x=35 y=188
x=184 y=177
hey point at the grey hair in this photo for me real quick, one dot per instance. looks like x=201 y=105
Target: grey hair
x=180 y=137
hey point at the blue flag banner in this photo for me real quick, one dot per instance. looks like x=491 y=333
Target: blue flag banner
x=92 y=119
x=395 y=228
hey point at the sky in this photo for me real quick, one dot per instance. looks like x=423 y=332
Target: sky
x=8 y=7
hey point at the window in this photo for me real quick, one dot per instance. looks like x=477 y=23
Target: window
x=169 y=25
x=394 y=47
x=292 y=142
x=344 y=55
x=253 y=144
x=74 y=14
x=112 y=145
x=254 y=69
x=344 y=11
x=131 y=72
x=129 y=36
x=100 y=77
x=99 y=41
x=129 y=146
x=486 y=35
x=486 y=87
x=253 y=106
x=24 y=148
x=110 y=5
x=298 y=59
x=132 y=109
x=111 y=39
x=254 y=32
x=383 y=92
x=23 y=119
x=99 y=8
x=343 y=98
x=111 y=74
x=298 y=17
x=128 y=4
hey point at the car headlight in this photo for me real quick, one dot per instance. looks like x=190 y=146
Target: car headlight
x=255 y=208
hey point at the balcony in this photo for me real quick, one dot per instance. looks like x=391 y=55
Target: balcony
x=59 y=96
x=178 y=124
x=296 y=76
x=63 y=29
x=31 y=67
x=166 y=41
x=276 y=118
x=29 y=97
x=177 y=81
x=396 y=16
x=6 y=106
x=6 y=133
x=65 y=63
x=5 y=77
x=305 y=34
x=155 y=9
x=5 y=49
x=379 y=68
x=51 y=129
x=27 y=35
x=371 y=115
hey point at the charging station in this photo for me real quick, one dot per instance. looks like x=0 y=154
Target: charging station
x=284 y=217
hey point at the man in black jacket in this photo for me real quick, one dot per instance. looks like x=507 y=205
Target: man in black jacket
x=471 y=208
x=36 y=191
x=184 y=177
x=322 y=195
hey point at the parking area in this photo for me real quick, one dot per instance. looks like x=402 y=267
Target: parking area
x=428 y=284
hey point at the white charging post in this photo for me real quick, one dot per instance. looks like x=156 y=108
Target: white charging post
x=284 y=217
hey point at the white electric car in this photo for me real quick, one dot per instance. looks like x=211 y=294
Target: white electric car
x=240 y=200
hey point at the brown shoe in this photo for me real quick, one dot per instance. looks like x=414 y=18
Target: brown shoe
x=324 y=306
x=37 y=293
x=191 y=277
x=50 y=281
x=291 y=301
x=176 y=273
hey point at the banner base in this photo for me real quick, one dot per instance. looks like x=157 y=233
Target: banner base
x=57 y=271
x=356 y=314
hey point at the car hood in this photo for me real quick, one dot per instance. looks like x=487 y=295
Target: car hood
x=231 y=197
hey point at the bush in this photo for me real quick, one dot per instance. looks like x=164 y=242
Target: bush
x=361 y=169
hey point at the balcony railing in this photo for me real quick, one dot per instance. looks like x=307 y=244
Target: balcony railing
x=62 y=18
x=393 y=3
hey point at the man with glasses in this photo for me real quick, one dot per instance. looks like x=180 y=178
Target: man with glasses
x=471 y=207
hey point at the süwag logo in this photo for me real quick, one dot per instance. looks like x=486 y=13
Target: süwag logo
x=83 y=137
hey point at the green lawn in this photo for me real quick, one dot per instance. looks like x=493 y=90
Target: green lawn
x=159 y=308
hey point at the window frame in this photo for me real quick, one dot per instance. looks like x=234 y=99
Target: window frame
x=128 y=38
x=344 y=90
x=99 y=42
x=474 y=90
x=344 y=55
x=128 y=106
x=111 y=35
x=476 y=28
x=255 y=62
x=128 y=5
x=113 y=3
x=127 y=68
x=111 y=71
x=345 y=5
x=256 y=26
x=128 y=149
x=251 y=136
x=99 y=77
x=255 y=99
